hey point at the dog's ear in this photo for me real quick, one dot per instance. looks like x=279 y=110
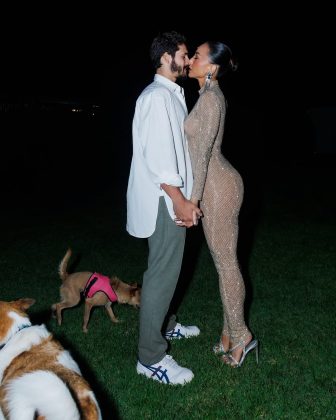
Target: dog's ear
x=23 y=304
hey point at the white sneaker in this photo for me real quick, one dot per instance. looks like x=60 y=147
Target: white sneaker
x=167 y=371
x=181 y=331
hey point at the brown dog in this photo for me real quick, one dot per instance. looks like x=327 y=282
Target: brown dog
x=73 y=285
x=39 y=379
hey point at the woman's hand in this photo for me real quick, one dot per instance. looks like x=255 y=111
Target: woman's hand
x=195 y=220
x=196 y=215
x=186 y=212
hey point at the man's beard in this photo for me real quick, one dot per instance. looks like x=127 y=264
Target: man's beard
x=181 y=71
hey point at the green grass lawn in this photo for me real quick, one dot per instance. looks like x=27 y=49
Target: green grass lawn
x=288 y=262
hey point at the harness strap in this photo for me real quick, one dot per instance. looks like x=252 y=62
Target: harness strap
x=92 y=280
x=21 y=328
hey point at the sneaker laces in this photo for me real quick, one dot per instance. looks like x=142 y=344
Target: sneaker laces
x=169 y=361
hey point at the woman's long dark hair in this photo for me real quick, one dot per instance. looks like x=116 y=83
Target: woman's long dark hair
x=221 y=55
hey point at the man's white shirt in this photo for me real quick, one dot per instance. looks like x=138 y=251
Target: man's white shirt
x=160 y=154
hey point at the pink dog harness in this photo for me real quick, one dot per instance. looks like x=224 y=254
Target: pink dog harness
x=99 y=283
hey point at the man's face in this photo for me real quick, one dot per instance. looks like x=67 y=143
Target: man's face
x=180 y=62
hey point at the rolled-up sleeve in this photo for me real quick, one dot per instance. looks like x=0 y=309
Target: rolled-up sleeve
x=160 y=154
x=157 y=139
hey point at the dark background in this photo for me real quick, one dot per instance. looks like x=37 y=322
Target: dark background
x=281 y=99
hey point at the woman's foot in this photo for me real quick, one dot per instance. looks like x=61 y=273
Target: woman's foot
x=236 y=355
x=223 y=346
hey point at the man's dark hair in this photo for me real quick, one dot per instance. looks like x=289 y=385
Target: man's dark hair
x=167 y=42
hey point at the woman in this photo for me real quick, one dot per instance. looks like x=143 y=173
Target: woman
x=219 y=189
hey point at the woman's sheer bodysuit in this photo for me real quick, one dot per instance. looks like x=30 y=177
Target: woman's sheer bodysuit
x=220 y=189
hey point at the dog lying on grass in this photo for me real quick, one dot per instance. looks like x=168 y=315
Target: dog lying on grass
x=98 y=290
x=38 y=378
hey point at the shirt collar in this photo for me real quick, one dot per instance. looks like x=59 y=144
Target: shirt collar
x=174 y=87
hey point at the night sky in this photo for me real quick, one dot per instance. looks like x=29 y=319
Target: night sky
x=286 y=68
x=284 y=55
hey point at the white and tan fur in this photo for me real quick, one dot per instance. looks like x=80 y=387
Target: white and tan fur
x=39 y=379
x=74 y=284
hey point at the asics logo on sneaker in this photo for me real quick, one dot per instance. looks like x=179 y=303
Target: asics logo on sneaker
x=166 y=371
x=161 y=374
x=182 y=331
x=175 y=334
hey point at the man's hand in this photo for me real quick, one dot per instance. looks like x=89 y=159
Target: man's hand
x=187 y=213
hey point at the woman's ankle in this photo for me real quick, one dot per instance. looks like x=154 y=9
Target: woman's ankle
x=237 y=349
x=226 y=342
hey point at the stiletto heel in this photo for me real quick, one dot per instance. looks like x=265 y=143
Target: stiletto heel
x=230 y=360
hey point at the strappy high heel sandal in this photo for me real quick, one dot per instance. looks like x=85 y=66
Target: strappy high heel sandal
x=219 y=348
x=230 y=360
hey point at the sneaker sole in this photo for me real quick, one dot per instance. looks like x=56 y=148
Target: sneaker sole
x=181 y=338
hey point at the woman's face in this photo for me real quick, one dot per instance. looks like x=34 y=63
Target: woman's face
x=199 y=64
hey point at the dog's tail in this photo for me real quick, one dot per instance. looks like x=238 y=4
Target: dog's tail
x=62 y=268
x=83 y=394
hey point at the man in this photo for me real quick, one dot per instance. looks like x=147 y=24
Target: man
x=159 y=184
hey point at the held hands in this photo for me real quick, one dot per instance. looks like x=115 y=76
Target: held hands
x=195 y=218
x=188 y=214
x=186 y=211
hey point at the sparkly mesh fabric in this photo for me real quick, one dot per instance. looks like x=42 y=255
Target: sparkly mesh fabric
x=220 y=189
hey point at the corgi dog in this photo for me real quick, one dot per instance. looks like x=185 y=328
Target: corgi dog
x=39 y=379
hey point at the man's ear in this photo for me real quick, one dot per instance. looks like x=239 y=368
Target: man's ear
x=166 y=59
